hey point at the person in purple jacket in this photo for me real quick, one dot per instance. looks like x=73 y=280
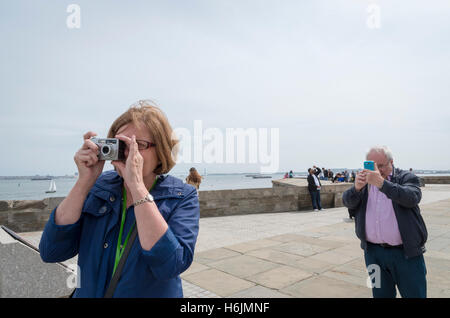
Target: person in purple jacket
x=96 y=218
x=385 y=204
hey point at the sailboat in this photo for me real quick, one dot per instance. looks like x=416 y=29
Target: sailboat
x=52 y=188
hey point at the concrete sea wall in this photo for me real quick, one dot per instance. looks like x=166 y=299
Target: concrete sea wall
x=32 y=215
x=436 y=179
x=266 y=200
x=27 y=215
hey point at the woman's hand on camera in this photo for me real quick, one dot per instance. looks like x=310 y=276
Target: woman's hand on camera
x=131 y=170
x=89 y=167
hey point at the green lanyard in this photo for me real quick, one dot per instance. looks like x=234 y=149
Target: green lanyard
x=121 y=248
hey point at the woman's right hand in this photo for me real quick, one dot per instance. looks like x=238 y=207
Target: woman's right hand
x=89 y=167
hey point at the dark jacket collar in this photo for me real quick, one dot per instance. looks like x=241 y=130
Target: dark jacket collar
x=396 y=174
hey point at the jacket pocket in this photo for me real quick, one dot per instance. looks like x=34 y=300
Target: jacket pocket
x=96 y=206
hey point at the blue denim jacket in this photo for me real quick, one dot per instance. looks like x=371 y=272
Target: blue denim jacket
x=93 y=237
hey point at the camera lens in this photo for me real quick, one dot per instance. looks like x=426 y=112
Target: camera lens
x=106 y=150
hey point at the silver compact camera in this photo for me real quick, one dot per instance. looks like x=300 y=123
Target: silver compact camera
x=110 y=148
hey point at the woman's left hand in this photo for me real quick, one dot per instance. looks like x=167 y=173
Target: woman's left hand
x=131 y=170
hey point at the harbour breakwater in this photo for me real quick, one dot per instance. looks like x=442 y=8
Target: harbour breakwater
x=286 y=195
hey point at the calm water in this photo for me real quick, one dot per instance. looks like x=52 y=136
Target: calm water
x=25 y=189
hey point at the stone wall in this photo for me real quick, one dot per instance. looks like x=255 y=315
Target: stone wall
x=32 y=215
x=267 y=200
x=27 y=215
x=436 y=179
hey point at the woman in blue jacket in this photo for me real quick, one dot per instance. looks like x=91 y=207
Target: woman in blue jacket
x=96 y=218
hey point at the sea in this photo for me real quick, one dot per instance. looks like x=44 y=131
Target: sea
x=26 y=189
x=21 y=188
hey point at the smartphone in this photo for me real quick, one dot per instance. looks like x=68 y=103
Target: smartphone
x=369 y=165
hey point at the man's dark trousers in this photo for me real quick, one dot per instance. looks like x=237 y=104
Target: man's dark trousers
x=315 y=198
x=408 y=274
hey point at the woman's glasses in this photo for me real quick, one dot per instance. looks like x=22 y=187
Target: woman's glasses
x=143 y=144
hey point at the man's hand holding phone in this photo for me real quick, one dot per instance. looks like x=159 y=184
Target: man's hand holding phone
x=370 y=175
x=374 y=177
x=360 y=180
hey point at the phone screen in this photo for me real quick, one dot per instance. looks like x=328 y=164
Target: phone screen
x=369 y=165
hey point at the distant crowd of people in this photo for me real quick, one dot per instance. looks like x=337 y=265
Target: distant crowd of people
x=344 y=176
x=328 y=175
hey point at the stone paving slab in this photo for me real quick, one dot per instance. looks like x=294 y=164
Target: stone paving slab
x=334 y=257
x=218 y=282
x=194 y=291
x=252 y=245
x=243 y=266
x=276 y=256
x=194 y=268
x=322 y=286
x=280 y=277
x=313 y=265
x=302 y=249
x=214 y=255
x=259 y=291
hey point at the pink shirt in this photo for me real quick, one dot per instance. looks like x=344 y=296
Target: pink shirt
x=381 y=222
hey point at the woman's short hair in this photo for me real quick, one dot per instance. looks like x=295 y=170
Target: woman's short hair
x=381 y=149
x=144 y=114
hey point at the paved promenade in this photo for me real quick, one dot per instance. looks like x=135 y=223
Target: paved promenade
x=301 y=254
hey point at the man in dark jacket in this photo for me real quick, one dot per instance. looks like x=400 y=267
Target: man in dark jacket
x=388 y=222
x=330 y=175
x=314 y=187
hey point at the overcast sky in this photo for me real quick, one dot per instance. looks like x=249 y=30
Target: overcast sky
x=313 y=69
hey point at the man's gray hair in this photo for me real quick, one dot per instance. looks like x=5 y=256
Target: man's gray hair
x=381 y=149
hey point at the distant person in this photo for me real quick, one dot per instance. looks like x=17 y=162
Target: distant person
x=385 y=204
x=339 y=177
x=353 y=176
x=286 y=175
x=317 y=171
x=346 y=176
x=330 y=175
x=291 y=174
x=321 y=176
x=325 y=173
x=136 y=207
x=314 y=187
x=194 y=178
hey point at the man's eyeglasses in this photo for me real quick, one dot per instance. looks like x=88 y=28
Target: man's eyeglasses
x=382 y=166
